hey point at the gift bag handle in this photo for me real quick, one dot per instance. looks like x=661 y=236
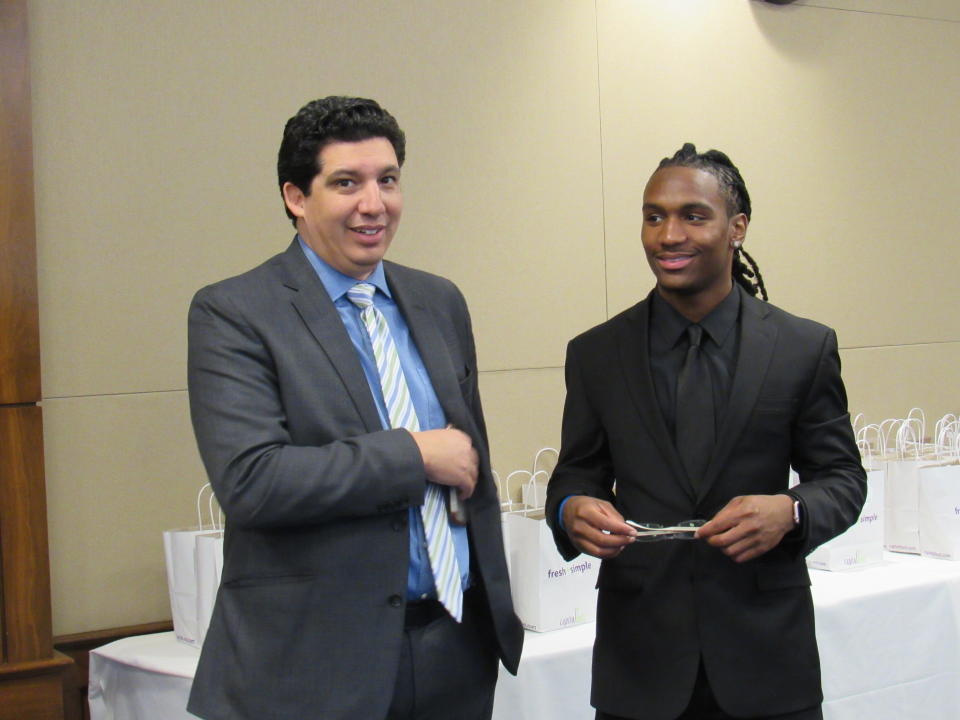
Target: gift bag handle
x=946 y=421
x=213 y=521
x=857 y=419
x=867 y=447
x=216 y=525
x=908 y=428
x=510 y=477
x=951 y=440
x=540 y=453
x=881 y=441
x=497 y=485
x=888 y=428
x=532 y=485
x=917 y=415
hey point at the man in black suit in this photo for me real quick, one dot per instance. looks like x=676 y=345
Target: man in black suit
x=694 y=404
x=330 y=604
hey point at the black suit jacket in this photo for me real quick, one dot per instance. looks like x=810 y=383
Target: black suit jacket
x=310 y=613
x=663 y=605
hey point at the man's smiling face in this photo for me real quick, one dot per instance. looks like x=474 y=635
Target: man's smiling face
x=687 y=234
x=354 y=206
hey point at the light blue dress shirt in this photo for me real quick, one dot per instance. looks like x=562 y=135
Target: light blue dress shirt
x=430 y=414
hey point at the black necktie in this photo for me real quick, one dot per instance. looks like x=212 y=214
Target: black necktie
x=695 y=423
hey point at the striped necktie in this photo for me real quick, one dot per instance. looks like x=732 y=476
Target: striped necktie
x=396 y=396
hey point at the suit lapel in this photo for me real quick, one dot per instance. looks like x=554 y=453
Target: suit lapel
x=435 y=354
x=313 y=304
x=634 y=346
x=758 y=337
x=432 y=347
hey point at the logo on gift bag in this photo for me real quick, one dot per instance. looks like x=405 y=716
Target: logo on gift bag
x=579 y=617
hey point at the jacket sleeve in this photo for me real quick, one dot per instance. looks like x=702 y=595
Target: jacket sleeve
x=824 y=453
x=584 y=466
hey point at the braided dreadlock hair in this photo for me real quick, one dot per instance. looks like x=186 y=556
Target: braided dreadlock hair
x=746 y=272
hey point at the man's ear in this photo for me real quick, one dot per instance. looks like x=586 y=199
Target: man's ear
x=738 y=228
x=294 y=199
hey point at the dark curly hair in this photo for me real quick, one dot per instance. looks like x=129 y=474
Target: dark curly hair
x=321 y=122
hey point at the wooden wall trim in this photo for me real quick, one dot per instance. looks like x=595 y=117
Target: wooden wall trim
x=19 y=323
x=31 y=674
x=33 y=690
x=52 y=665
x=97 y=638
x=23 y=536
x=24 y=561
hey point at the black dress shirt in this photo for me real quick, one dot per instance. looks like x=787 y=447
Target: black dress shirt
x=669 y=344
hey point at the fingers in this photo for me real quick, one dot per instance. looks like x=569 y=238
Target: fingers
x=596 y=527
x=469 y=478
x=749 y=526
x=449 y=458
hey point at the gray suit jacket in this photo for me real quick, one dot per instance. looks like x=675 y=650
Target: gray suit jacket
x=310 y=613
x=664 y=605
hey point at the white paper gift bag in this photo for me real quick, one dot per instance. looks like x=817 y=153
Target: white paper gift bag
x=508 y=505
x=862 y=543
x=939 y=497
x=901 y=491
x=209 y=550
x=548 y=592
x=179 y=546
x=939 y=512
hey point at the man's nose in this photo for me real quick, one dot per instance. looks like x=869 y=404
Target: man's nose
x=371 y=200
x=673 y=232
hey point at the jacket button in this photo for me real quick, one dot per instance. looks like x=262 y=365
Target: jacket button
x=395 y=601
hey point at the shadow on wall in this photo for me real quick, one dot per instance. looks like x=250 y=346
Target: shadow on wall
x=788 y=29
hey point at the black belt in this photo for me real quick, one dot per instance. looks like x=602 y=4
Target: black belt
x=420 y=613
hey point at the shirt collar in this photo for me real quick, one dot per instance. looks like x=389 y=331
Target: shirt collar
x=670 y=325
x=335 y=282
x=723 y=317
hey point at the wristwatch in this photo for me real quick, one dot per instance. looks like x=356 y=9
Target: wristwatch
x=796 y=513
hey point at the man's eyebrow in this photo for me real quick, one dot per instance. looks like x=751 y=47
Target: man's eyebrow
x=703 y=207
x=352 y=172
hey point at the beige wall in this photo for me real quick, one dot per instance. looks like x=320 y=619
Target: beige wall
x=532 y=127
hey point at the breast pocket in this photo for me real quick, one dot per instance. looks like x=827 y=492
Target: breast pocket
x=776 y=406
x=771 y=423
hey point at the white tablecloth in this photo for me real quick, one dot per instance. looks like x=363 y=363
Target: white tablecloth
x=889 y=641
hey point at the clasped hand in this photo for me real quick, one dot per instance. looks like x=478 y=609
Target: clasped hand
x=747 y=527
x=449 y=458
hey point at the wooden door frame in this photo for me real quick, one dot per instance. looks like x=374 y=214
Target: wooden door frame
x=30 y=670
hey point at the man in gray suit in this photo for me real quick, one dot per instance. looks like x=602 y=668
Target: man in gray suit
x=328 y=606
